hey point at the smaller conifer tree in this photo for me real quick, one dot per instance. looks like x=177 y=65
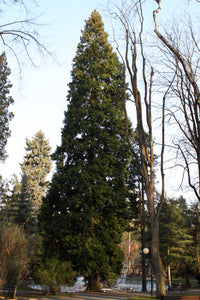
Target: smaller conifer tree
x=35 y=168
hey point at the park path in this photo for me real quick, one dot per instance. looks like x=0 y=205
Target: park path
x=94 y=296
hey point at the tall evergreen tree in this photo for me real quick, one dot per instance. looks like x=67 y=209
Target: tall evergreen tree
x=35 y=168
x=5 y=101
x=84 y=213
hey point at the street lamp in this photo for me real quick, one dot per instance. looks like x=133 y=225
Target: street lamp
x=146 y=251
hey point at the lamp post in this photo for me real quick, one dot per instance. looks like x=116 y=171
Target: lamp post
x=145 y=252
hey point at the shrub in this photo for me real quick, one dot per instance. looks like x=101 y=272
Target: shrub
x=52 y=273
x=13 y=255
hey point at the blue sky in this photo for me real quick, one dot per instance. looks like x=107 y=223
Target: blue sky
x=40 y=96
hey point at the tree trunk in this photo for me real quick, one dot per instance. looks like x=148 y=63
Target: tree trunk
x=142 y=221
x=168 y=269
x=144 y=283
x=169 y=276
x=93 y=283
x=11 y=293
x=129 y=253
x=187 y=280
x=156 y=259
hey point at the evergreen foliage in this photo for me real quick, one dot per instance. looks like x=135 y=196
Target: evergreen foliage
x=35 y=168
x=11 y=198
x=51 y=274
x=175 y=237
x=84 y=213
x=22 y=208
x=192 y=223
x=5 y=102
x=4 y=193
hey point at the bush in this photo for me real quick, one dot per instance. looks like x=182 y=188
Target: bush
x=52 y=273
x=13 y=256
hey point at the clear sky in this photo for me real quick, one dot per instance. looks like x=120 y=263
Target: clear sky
x=40 y=96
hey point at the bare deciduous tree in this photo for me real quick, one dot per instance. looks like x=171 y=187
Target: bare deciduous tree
x=13 y=256
x=20 y=35
x=184 y=57
x=20 y=38
x=141 y=85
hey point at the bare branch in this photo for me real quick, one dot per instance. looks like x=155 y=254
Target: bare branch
x=155 y=12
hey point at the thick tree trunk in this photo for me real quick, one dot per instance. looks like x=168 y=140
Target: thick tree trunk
x=11 y=293
x=168 y=270
x=156 y=259
x=187 y=280
x=169 y=276
x=93 y=283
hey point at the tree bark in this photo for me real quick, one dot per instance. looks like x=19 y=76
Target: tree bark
x=156 y=259
x=11 y=293
x=168 y=270
x=93 y=283
x=169 y=276
x=142 y=100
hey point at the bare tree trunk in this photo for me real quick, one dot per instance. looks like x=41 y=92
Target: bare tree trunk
x=157 y=263
x=129 y=253
x=93 y=283
x=168 y=270
x=142 y=101
x=169 y=276
x=189 y=95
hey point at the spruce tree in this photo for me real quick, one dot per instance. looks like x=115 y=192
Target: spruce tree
x=4 y=194
x=5 y=102
x=84 y=213
x=175 y=239
x=35 y=168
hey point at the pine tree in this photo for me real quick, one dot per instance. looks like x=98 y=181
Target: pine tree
x=35 y=168
x=10 y=205
x=23 y=206
x=193 y=225
x=84 y=213
x=175 y=238
x=4 y=194
x=5 y=102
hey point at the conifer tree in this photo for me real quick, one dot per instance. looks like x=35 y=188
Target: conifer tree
x=84 y=213
x=23 y=208
x=35 y=168
x=4 y=194
x=176 y=241
x=5 y=102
